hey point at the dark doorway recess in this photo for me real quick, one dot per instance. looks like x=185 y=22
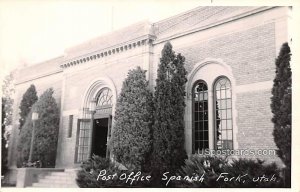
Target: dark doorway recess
x=100 y=129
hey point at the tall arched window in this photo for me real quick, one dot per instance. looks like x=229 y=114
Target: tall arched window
x=200 y=116
x=223 y=114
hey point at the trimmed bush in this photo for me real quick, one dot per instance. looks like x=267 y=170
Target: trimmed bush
x=110 y=175
x=259 y=173
x=218 y=171
x=90 y=169
x=168 y=130
x=131 y=141
x=210 y=167
x=28 y=99
x=281 y=108
x=46 y=132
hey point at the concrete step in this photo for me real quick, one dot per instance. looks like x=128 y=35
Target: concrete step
x=62 y=181
x=64 y=173
x=59 y=177
x=71 y=170
x=43 y=185
x=66 y=179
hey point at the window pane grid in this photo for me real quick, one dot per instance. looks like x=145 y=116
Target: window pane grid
x=200 y=112
x=83 y=143
x=104 y=98
x=223 y=117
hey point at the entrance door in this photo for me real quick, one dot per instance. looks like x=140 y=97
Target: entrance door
x=94 y=129
x=99 y=146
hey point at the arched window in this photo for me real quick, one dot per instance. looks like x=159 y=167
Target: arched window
x=200 y=116
x=104 y=98
x=223 y=114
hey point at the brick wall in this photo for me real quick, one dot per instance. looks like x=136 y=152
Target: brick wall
x=66 y=148
x=254 y=122
x=250 y=54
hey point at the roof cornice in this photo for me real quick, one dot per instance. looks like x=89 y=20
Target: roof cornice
x=116 y=49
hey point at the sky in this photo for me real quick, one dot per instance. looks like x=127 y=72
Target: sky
x=35 y=31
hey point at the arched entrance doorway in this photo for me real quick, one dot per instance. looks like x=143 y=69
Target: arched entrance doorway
x=102 y=123
x=94 y=126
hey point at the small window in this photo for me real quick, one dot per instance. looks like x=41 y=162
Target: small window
x=70 y=126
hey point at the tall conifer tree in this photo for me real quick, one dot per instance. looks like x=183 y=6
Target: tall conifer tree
x=6 y=117
x=46 y=132
x=29 y=98
x=168 y=130
x=281 y=107
x=131 y=142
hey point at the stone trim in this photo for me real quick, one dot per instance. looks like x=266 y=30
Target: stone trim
x=142 y=41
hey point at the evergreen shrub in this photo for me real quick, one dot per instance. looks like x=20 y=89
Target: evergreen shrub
x=255 y=169
x=46 y=132
x=24 y=141
x=131 y=141
x=28 y=99
x=215 y=169
x=87 y=176
x=90 y=169
x=281 y=105
x=169 y=104
x=208 y=166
